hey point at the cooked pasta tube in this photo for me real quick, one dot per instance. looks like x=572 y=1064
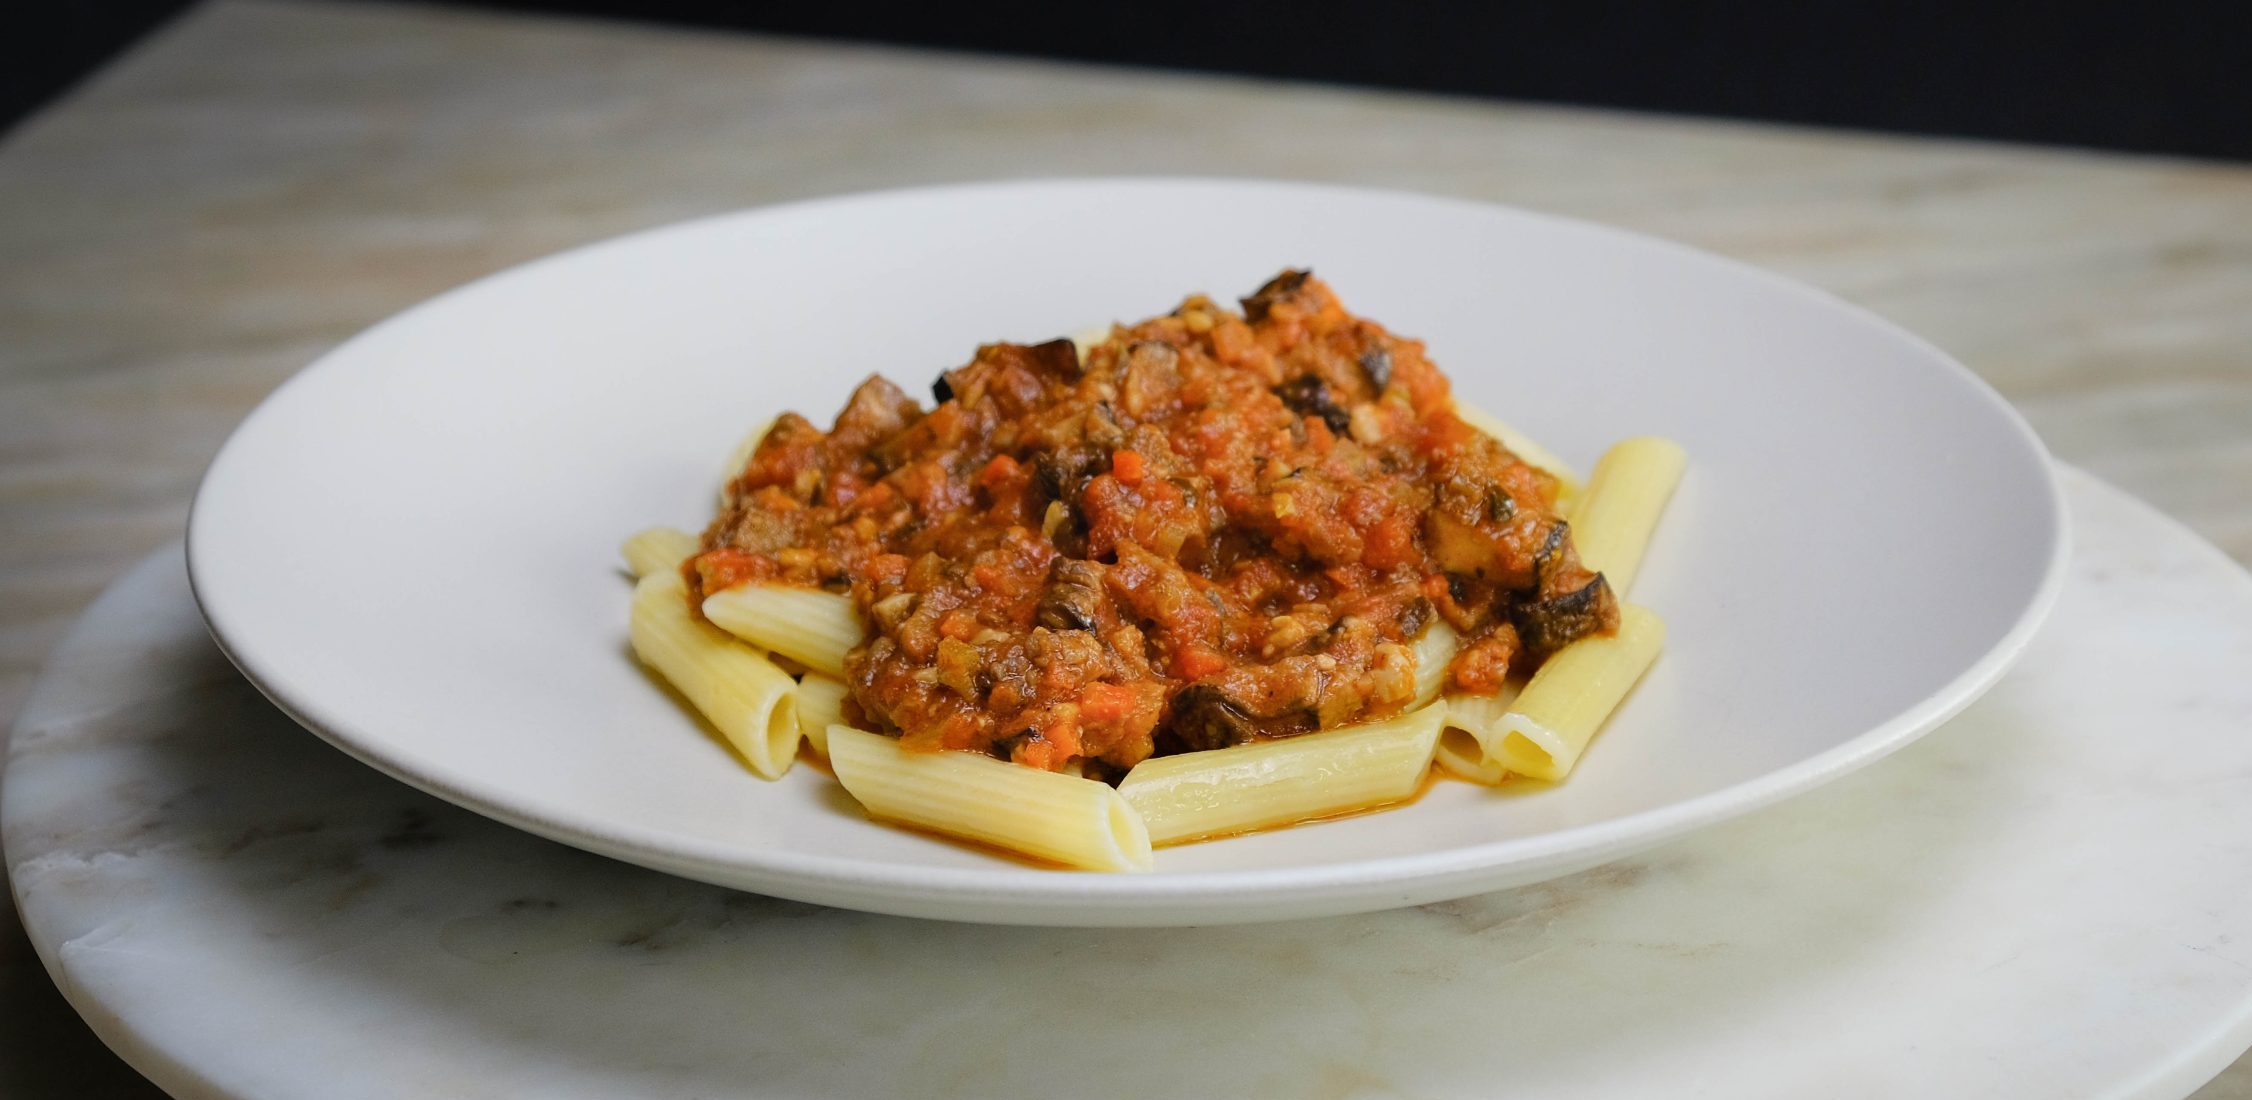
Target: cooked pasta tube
x=741 y=456
x=1267 y=783
x=1523 y=446
x=1434 y=651
x=809 y=626
x=1612 y=523
x=657 y=548
x=748 y=700
x=1048 y=815
x=1550 y=723
x=820 y=705
x=1458 y=752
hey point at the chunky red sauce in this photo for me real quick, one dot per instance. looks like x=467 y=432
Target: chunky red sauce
x=1221 y=526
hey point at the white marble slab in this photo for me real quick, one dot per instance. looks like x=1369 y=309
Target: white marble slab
x=2051 y=897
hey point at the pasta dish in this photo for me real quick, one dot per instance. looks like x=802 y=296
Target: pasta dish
x=1215 y=571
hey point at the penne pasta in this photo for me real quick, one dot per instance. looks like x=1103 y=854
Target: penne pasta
x=741 y=457
x=1268 y=783
x=1523 y=446
x=657 y=548
x=1613 y=521
x=820 y=705
x=1434 y=651
x=1048 y=815
x=1459 y=752
x=748 y=700
x=809 y=626
x=1550 y=723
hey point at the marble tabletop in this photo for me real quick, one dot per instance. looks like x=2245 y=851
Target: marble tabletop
x=262 y=179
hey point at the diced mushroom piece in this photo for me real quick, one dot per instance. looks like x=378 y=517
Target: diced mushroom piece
x=1475 y=528
x=1055 y=359
x=1205 y=718
x=1549 y=624
x=1063 y=474
x=1415 y=616
x=1552 y=547
x=789 y=430
x=1052 y=650
x=1150 y=377
x=1276 y=290
x=1500 y=505
x=1376 y=362
x=1101 y=427
x=760 y=531
x=1307 y=395
x=1058 y=358
x=893 y=610
x=1074 y=598
x=1057 y=521
x=877 y=410
x=1457 y=546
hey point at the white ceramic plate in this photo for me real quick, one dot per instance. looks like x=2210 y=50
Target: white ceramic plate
x=412 y=545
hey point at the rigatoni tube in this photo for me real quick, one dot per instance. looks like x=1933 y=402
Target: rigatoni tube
x=820 y=705
x=809 y=626
x=1434 y=651
x=744 y=696
x=1048 y=815
x=1571 y=696
x=1459 y=752
x=1615 y=518
x=657 y=549
x=1268 y=783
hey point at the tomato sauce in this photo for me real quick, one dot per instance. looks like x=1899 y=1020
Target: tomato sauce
x=1219 y=526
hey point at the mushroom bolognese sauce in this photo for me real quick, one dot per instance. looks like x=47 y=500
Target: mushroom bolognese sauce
x=1212 y=527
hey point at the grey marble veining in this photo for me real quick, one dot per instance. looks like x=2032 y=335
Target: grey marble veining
x=263 y=179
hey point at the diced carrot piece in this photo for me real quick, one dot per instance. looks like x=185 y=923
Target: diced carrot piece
x=957 y=624
x=1196 y=662
x=1105 y=702
x=1000 y=472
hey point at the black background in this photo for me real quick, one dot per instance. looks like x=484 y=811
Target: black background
x=2140 y=76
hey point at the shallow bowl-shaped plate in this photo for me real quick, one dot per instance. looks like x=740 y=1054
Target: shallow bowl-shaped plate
x=412 y=545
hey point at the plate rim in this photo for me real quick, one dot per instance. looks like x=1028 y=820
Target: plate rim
x=1217 y=890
